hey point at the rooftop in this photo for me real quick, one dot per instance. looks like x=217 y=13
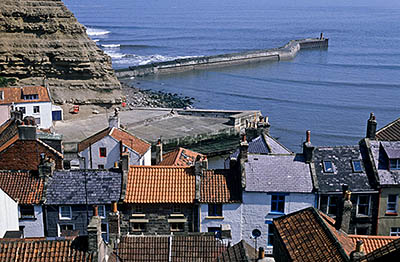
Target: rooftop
x=220 y=186
x=24 y=95
x=180 y=157
x=390 y=132
x=380 y=157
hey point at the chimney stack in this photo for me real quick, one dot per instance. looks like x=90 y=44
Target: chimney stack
x=124 y=169
x=114 y=225
x=159 y=151
x=344 y=212
x=198 y=172
x=15 y=114
x=114 y=121
x=308 y=148
x=359 y=252
x=27 y=132
x=371 y=126
x=94 y=234
x=243 y=156
x=46 y=167
x=261 y=253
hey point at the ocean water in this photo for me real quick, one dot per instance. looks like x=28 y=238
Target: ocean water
x=330 y=92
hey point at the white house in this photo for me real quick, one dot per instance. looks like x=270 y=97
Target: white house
x=9 y=214
x=103 y=149
x=30 y=100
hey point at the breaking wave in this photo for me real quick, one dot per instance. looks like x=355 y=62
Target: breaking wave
x=111 y=46
x=132 y=60
x=96 y=32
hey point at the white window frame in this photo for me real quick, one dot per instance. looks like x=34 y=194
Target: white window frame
x=1 y=95
x=105 y=232
x=38 y=109
x=59 y=228
x=369 y=205
x=102 y=207
x=60 y=213
x=395 y=231
x=395 y=206
x=328 y=170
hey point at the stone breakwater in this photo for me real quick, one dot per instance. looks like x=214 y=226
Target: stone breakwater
x=286 y=52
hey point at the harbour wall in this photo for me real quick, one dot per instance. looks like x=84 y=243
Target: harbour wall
x=285 y=52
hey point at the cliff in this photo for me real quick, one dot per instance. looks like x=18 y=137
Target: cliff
x=42 y=42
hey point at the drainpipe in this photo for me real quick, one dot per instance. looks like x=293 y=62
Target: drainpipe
x=377 y=215
x=90 y=152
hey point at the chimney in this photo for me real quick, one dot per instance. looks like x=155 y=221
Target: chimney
x=344 y=211
x=124 y=169
x=46 y=167
x=308 y=148
x=359 y=252
x=159 y=152
x=94 y=234
x=243 y=156
x=114 y=225
x=27 y=132
x=261 y=253
x=198 y=172
x=114 y=121
x=15 y=114
x=371 y=127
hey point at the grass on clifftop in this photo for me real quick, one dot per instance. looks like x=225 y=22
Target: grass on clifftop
x=4 y=82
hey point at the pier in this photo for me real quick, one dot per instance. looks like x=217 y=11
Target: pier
x=285 y=52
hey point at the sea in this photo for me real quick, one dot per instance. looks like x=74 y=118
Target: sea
x=330 y=92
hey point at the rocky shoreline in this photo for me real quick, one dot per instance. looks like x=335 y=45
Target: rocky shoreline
x=136 y=97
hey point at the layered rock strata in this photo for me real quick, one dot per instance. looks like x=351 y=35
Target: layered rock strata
x=41 y=42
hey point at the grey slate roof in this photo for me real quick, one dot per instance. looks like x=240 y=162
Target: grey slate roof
x=278 y=173
x=379 y=149
x=264 y=144
x=341 y=157
x=68 y=187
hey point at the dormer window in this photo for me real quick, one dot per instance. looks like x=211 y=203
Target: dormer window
x=356 y=164
x=328 y=166
x=395 y=164
x=31 y=97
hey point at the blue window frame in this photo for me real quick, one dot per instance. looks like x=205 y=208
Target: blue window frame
x=278 y=203
x=270 y=233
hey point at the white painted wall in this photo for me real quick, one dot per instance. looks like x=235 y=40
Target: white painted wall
x=256 y=212
x=4 y=113
x=33 y=227
x=147 y=158
x=44 y=114
x=232 y=215
x=216 y=162
x=8 y=214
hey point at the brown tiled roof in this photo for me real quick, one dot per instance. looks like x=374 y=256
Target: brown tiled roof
x=15 y=94
x=180 y=157
x=307 y=238
x=176 y=248
x=240 y=252
x=129 y=140
x=23 y=187
x=40 y=249
x=160 y=184
x=8 y=131
x=372 y=243
x=390 y=132
x=388 y=252
x=220 y=186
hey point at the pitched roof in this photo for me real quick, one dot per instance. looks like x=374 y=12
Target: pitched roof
x=23 y=187
x=176 y=248
x=180 y=157
x=8 y=131
x=381 y=161
x=388 y=252
x=15 y=94
x=68 y=187
x=40 y=249
x=136 y=144
x=341 y=158
x=278 y=173
x=240 y=252
x=390 y=132
x=160 y=184
x=372 y=243
x=306 y=237
x=220 y=186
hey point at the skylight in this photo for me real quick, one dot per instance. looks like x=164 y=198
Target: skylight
x=357 y=166
x=328 y=166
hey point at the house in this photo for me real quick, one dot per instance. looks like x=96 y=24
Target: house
x=178 y=157
x=20 y=149
x=9 y=219
x=26 y=188
x=71 y=194
x=103 y=149
x=220 y=204
x=339 y=165
x=272 y=185
x=30 y=100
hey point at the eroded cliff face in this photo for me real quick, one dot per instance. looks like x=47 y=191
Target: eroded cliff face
x=41 y=41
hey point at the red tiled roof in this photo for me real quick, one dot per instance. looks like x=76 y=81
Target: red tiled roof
x=23 y=187
x=180 y=157
x=372 y=243
x=240 y=252
x=160 y=184
x=15 y=94
x=40 y=249
x=129 y=140
x=220 y=186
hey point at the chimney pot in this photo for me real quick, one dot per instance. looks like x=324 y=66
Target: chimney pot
x=95 y=211
x=114 y=207
x=261 y=253
x=159 y=151
x=371 y=126
x=308 y=136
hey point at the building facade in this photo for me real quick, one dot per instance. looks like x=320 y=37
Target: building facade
x=9 y=219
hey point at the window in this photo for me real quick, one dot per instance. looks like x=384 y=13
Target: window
x=137 y=209
x=363 y=205
x=37 y=120
x=328 y=166
x=357 y=166
x=64 y=228
x=104 y=231
x=27 y=212
x=361 y=231
x=22 y=109
x=65 y=212
x=1 y=95
x=100 y=166
x=36 y=109
x=31 y=97
x=177 y=227
x=332 y=205
x=103 y=152
x=278 y=203
x=138 y=227
x=270 y=233
x=215 y=210
x=176 y=209
x=102 y=211
x=216 y=230
x=395 y=231
x=395 y=164
x=392 y=204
